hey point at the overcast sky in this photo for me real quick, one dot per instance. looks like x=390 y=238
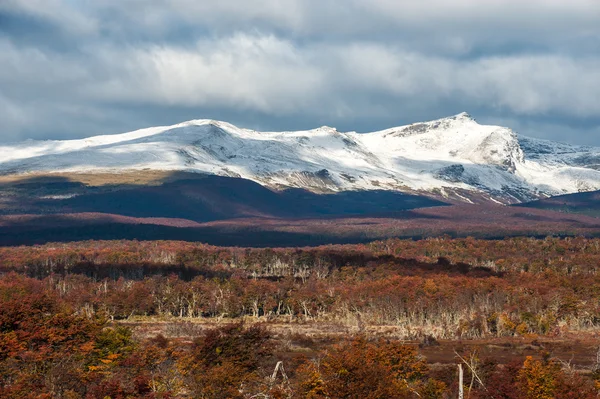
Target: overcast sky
x=76 y=68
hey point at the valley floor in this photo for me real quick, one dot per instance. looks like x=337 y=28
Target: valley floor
x=577 y=348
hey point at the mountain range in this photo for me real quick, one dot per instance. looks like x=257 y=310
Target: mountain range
x=210 y=181
x=453 y=159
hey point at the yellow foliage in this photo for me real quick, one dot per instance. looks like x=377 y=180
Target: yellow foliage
x=430 y=287
x=312 y=383
x=537 y=380
x=522 y=329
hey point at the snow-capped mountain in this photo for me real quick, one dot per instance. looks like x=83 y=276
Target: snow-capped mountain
x=453 y=157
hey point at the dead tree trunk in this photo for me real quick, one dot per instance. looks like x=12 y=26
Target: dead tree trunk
x=279 y=369
x=461 y=393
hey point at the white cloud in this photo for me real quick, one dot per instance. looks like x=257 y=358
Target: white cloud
x=314 y=59
x=447 y=26
x=275 y=76
x=272 y=75
x=438 y=26
x=13 y=119
x=26 y=67
x=536 y=84
x=262 y=73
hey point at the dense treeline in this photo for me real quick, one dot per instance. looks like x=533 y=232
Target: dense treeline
x=48 y=349
x=511 y=254
x=439 y=287
x=61 y=307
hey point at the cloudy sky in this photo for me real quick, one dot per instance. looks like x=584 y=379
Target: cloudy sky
x=75 y=68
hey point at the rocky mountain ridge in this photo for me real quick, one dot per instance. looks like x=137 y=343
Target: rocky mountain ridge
x=452 y=158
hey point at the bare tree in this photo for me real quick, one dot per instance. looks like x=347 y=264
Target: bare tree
x=461 y=393
x=472 y=365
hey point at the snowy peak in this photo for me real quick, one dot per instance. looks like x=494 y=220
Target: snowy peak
x=460 y=137
x=454 y=157
x=463 y=116
x=444 y=124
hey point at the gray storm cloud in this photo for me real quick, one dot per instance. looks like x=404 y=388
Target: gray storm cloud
x=103 y=67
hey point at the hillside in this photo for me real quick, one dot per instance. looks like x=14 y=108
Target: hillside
x=198 y=198
x=490 y=222
x=587 y=203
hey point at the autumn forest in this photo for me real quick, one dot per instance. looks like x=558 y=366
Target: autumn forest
x=388 y=319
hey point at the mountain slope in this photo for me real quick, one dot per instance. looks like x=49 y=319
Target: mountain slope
x=197 y=198
x=452 y=158
x=587 y=203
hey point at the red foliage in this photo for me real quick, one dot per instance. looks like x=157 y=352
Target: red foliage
x=55 y=340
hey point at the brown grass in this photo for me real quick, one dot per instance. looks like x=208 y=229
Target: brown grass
x=97 y=179
x=578 y=348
